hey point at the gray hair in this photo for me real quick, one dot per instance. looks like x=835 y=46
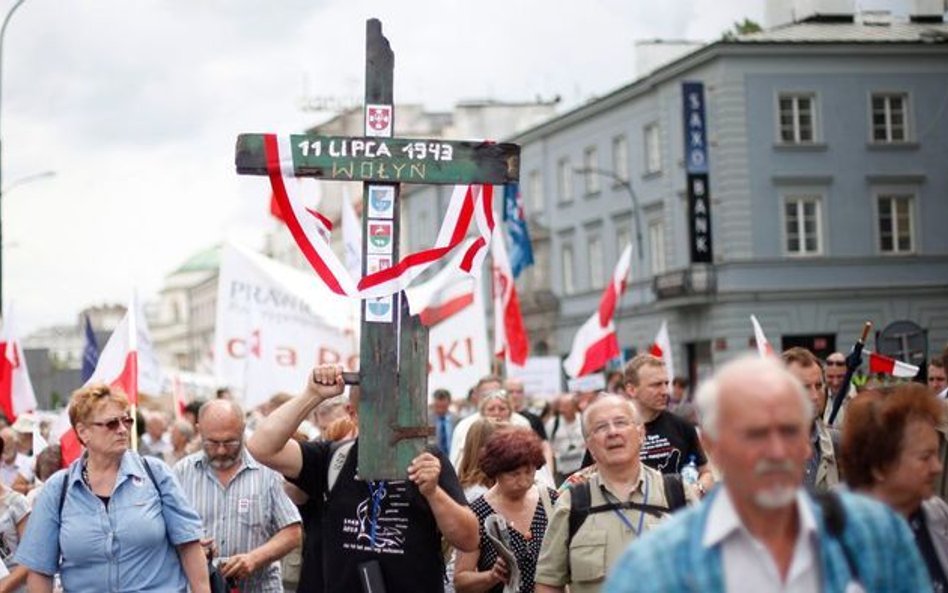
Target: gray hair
x=708 y=395
x=185 y=428
x=604 y=397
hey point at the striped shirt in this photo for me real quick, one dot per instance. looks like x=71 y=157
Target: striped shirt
x=242 y=516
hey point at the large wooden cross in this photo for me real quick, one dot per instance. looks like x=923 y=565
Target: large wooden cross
x=393 y=360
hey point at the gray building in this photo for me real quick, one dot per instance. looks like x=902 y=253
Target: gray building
x=826 y=144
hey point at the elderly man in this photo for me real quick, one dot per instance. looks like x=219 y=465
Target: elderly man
x=618 y=502
x=670 y=441
x=241 y=503
x=761 y=531
x=392 y=529
x=486 y=386
x=822 y=472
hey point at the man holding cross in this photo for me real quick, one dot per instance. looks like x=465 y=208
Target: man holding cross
x=389 y=529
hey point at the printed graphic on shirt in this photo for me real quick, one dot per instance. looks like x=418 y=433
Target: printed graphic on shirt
x=387 y=504
x=659 y=453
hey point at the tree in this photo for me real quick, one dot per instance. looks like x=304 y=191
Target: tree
x=741 y=28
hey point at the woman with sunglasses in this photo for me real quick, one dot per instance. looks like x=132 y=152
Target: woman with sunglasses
x=105 y=523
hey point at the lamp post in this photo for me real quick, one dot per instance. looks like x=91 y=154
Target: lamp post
x=3 y=32
x=624 y=183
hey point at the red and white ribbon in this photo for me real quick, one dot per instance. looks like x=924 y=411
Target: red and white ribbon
x=467 y=202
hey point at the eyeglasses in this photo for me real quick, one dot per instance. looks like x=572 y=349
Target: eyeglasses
x=113 y=423
x=835 y=363
x=212 y=444
x=602 y=428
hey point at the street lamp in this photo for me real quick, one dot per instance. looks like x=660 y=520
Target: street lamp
x=3 y=32
x=624 y=183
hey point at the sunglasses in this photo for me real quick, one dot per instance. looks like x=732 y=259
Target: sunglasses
x=835 y=363
x=113 y=423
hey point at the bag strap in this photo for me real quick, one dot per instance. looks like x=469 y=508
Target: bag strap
x=578 y=509
x=338 y=454
x=151 y=474
x=545 y=501
x=834 y=516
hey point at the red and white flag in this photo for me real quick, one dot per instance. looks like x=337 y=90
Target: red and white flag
x=595 y=342
x=510 y=337
x=763 y=345
x=118 y=363
x=662 y=348
x=16 y=389
x=890 y=366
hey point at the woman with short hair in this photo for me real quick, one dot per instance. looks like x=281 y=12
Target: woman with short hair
x=890 y=451
x=109 y=522
x=510 y=458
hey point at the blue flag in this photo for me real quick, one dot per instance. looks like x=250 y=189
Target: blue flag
x=90 y=352
x=518 y=238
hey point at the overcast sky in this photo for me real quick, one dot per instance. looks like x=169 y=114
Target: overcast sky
x=135 y=104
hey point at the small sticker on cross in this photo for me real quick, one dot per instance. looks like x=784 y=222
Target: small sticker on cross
x=378 y=120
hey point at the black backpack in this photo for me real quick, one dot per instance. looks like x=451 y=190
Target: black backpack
x=580 y=496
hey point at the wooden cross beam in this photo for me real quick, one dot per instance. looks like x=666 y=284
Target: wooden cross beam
x=393 y=357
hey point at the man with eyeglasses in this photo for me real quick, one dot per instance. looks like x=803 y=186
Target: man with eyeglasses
x=241 y=502
x=580 y=556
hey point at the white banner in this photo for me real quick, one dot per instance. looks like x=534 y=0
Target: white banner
x=541 y=376
x=274 y=323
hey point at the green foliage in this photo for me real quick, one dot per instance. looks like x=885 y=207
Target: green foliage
x=741 y=28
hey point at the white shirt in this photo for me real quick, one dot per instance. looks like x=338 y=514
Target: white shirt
x=748 y=565
x=568 y=443
x=460 y=434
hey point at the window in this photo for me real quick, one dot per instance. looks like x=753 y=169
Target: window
x=889 y=117
x=895 y=223
x=620 y=157
x=564 y=180
x=596 y=279
x=623 y=235
x=591 y=173
x=797 y=119
x=569 y=286
x=656 y=245
x=535 y=189
x=541 y=262
x=653 y=149
x=802 y=225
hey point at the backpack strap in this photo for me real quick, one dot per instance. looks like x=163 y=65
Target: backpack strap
x=151 y=474
x=674 y=491
x=834 y=516
x=62 y=493
x=545 y=501
x=651 y=509
x=578 y=509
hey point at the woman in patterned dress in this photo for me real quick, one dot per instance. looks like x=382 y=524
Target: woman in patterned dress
x=510 y=457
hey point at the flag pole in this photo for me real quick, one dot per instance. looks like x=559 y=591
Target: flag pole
x=853 y=362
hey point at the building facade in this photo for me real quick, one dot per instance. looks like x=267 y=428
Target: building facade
x=825 y=143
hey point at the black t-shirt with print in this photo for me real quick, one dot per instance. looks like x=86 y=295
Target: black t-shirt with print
x=405 y=539
x=669 y=442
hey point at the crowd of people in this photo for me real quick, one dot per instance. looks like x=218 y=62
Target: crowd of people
x=746 y=485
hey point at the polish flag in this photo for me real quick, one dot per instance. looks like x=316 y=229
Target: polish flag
x=662 y=349
x=118 y=363
x=889 y=366
x=596 y=342
x=16 y=390
x=763 y=346
x=446 y=294
x=510 y=337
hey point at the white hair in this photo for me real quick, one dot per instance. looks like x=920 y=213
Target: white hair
x=708 y=394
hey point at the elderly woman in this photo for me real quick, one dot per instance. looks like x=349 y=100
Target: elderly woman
x=109 y=522
x=890 y=452
x=510 y=458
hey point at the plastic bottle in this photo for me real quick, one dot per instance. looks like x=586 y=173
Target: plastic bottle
x=689 y=473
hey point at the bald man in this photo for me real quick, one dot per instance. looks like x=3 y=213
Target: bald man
x=241 y=502
x=761 y=530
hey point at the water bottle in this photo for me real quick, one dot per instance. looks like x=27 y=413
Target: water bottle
x=689 y=473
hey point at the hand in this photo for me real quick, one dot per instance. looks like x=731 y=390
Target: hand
x=210 y=548
x=499 y=572
x=424 y=471
x=238 y=567
x=325 y=382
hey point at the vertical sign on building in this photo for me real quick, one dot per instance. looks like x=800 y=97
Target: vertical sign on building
x=696 y=169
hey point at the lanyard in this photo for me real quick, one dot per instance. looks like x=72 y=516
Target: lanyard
x=618 y=511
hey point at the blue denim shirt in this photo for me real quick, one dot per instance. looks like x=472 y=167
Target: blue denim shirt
x=673 y=559
x=128 y=546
